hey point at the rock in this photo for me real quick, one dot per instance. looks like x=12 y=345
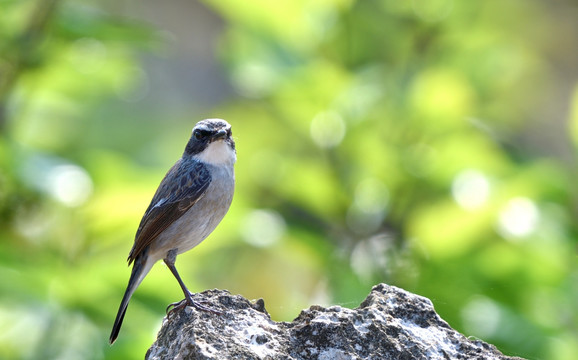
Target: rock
x=389 y=324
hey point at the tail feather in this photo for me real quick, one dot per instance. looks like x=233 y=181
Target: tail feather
x=140 y=269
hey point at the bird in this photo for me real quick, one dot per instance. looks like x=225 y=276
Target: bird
x=189 y=203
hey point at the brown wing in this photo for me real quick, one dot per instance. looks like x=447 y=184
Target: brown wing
x=184 y=184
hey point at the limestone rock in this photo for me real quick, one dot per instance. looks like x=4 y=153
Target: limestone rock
x=389 y=324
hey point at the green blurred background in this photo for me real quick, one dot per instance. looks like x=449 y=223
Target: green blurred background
x=429 y=145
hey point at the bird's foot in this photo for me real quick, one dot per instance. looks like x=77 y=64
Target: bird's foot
x=176 y=306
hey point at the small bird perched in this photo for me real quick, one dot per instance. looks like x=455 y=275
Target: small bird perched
x=191 y=200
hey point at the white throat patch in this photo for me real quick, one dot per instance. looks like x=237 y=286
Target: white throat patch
x=217 y=153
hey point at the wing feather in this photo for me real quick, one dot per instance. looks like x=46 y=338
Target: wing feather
x=183 y=185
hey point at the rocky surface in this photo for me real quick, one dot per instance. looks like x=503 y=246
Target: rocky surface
x=389 y=324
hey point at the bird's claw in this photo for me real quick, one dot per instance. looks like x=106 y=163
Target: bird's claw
x=175 y=307
x=186 y=302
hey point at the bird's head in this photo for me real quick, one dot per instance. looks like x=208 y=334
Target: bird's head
x=212 y=142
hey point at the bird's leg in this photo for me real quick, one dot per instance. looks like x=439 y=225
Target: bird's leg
x=170 y=261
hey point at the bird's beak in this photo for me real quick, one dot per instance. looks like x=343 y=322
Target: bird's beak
x=221 y=134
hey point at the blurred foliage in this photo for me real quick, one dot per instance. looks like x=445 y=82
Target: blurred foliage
x=378 y=141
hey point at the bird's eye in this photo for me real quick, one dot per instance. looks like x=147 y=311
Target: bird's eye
x=229 y=132
x=199 y=134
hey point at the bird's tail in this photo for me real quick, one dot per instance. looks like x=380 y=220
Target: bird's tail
x=140 y=269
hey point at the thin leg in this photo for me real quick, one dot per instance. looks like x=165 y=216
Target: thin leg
x=170 y=261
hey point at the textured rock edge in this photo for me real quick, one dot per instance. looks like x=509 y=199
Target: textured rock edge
x=390 y=323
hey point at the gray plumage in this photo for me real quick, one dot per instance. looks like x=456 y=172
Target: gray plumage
x=191 y=200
